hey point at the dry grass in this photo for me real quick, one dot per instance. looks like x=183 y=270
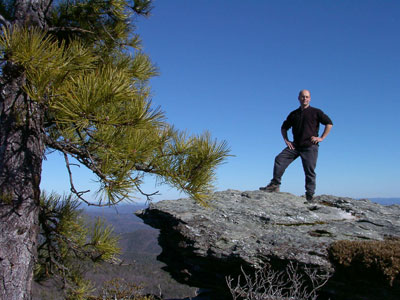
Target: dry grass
x=119 y=289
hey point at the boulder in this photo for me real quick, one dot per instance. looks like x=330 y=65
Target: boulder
x=251 y=229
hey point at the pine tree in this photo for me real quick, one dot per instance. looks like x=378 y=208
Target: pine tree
x=75 y=80
x=68 y=245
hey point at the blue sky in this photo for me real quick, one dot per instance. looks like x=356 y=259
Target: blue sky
x=235 y=68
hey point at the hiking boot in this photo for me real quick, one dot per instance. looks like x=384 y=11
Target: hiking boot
x=310 y=198
x=271 y=188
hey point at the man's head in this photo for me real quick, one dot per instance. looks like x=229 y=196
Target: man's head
x=304 y=98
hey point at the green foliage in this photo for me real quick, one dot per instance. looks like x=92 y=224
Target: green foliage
x=66 y=244
x=379 y=259
x=104 y=25
x=89 y=74
x=47 y=65
x=189 y=162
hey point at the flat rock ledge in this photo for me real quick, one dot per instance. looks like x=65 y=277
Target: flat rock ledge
x=201 y=246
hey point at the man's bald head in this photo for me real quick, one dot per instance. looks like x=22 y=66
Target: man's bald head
x=304 y=98
x=303 y=91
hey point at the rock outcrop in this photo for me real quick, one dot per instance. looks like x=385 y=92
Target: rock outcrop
x=201 y=246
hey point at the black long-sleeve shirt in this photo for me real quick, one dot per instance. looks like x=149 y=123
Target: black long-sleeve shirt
x=305 y=124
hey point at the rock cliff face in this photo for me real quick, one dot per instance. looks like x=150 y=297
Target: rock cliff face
x=201 y=246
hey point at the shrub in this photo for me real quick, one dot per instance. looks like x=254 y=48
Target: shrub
x=378 y=259
x=268 y=284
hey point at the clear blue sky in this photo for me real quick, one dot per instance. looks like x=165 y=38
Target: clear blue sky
x=235 y=68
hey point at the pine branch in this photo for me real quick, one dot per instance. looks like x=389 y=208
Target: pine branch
x=148 y=196
x=82 y=155
x=68 y=29
x=4 y=21
x=49 y=4
x=79 y=194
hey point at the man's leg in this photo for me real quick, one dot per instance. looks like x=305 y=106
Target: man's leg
x=309 y=158
x=282 y=161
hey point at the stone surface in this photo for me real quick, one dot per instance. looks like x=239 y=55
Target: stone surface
x=247 y=229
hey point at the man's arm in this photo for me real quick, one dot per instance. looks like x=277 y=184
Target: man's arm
x=286 y=139
x=316 y=139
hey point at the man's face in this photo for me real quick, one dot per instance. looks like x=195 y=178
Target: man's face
x=304 y=99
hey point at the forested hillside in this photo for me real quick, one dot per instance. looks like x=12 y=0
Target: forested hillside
x=139 y=254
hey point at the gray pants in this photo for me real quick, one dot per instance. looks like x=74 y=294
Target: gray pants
x=308 y=156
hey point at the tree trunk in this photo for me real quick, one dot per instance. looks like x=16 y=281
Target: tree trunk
x=21 y=154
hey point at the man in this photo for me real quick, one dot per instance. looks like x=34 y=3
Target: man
x=304 y=122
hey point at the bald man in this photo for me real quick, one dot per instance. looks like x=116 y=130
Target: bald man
x=304 y=122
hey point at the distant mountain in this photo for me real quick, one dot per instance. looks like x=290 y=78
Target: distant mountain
x=385 y=201
x=121 y=217
x=120 y=208
x=139 y=243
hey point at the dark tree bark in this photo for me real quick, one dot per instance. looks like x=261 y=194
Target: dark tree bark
x=21 y=154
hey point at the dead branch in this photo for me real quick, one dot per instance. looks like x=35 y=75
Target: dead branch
x=268 y=284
